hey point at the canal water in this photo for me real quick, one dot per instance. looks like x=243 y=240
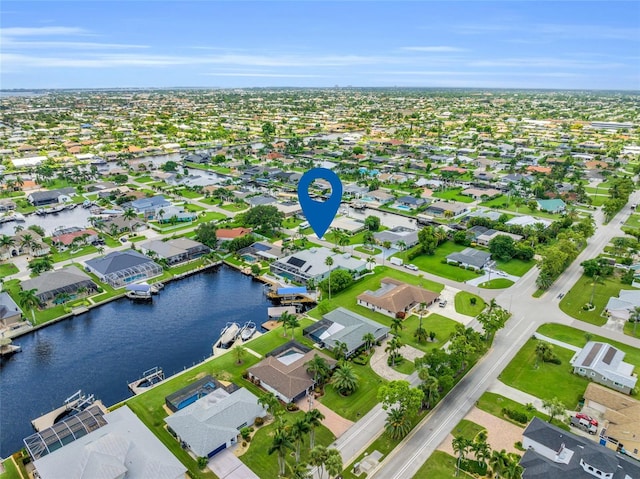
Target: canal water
x=78 y=216
x=104 y=349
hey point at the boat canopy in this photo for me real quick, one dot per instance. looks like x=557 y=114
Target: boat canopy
x=139 y=287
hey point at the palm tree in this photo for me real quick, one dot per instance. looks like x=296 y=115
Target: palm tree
x=340 y=350
x=28 y=242
x=100 y=249
x=300 y=470
x=314 y=418
x=318 y=458
x=429 y=387
x=396 y=325
x=270 y=402
x=498 y=462
x=284 y=319
x=293 y=322
x=240 y=352
x=281 y=444
x=401 y=245
x=6 y=241
x=329 y=263
x=369 y=340
x=299 y=428
x=542 y=350
x=344 y=379
x=319 y=367
x=635 y=317
x=29 y=300
x=372 y=261
x=129 y=214
x=333 y=462
x=393 y=345
x=397 y=424
x=460 y=446
x=160 y=215
x=481 y=451
x=513 y=470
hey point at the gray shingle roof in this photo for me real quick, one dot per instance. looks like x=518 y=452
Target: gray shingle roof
x=118 y=261
x=354 y=327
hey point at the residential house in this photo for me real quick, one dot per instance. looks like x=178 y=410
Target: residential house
x=49 y=197
x=527 y=220
x=148 y=206
x=400 y=237
x=102 y=445
x=79 y=237
x=193 y=391
x=396 y=299
x=484 y=238
x=22 y=245
x=175 y=251
x=552 y=452
x=380 y=196
x=289 y=208
x=120 y=224
x=260 y=200
x=120 y=268
x=228 y=234
x=261 y=250
x=444 y=208
x=411 y=201
x=470 y=258
x=284 y=371
x=552 y=206
x=603 y=363
x=198 y=158
x=310 y=264
x=68 y=280
x=213 y=422
x=481 y=194
x=344 y=326
x=622 y=306
x=621 y=414
x=10 y=312
x=172 y=213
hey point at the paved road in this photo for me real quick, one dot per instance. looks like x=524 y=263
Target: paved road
x=528 y=314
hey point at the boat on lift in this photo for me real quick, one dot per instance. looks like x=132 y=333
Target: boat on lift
x=248 y=330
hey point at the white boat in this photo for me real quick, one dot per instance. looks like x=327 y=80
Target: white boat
x=139 y=295
x=228 y=335
x=248 y=330
x=19 y=217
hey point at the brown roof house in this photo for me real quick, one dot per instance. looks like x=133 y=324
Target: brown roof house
x=230 y=234
x=284 y=371
x=622 y=417
x=395 y=298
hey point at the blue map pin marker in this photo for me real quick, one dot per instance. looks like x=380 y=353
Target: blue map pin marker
x=320 y=214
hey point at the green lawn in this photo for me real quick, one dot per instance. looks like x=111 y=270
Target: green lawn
x=11 y=470
x=598 y=200
x=577 y=337
x=440 y=465
x=266 y=465
x=493 y=404
x=144 y=179
x=405 y=367
x=361 y=401
x=547 y=380
x=208 y=216
x=434 y=265
x=453 y=194
x=633 y=221
x=467 y=429
x=194 y=208
x=68 y=254
x=189 y=194
x=581 y=293
x=500 y=201
x=7 y=268
x=499 y=283
x=367 y=251
x=516 y=267
x=291 y=223
x=233 y=207
x=464 y=306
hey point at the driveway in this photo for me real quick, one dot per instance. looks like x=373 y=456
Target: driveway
x=489 y=276
x=332 y=421
x=226 y=465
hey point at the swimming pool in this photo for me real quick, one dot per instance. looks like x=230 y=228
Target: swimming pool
x=249 y=258
x=401 y=207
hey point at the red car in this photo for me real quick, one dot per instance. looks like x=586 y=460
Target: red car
x=588 y=418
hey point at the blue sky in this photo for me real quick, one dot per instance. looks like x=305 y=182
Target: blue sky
x=507 y=44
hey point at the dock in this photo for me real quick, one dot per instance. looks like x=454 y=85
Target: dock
x=6 y=348
x=73 y=404
x=276 y=311
x=292 y=295
x=149 y=379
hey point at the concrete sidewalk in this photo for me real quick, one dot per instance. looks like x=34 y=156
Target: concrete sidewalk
x=571 y=347
x=514 y=394
x=226 y=465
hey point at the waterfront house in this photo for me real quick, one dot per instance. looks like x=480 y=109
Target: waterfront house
x=213 y=422
x=470 y=258
x=49 y=197
x=99 y=445
x=79 y=237
x=148 y=206
x=36 y=247
x=344 y=326
x=552 y=452
x=310 y=264
x=399 y=237
x=284 y=371
x=603 y=363
x=120 y=268
x=122 y=224
x=68 y=280
x=10 y=312
x=396 y=299
x=444 y=208
x=411 y=201
x=176 y=250
x=172 y=213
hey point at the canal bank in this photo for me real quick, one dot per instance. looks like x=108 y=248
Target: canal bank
x=102 y=350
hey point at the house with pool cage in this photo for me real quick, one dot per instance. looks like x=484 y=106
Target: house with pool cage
x=69 y=281
x=121 y=268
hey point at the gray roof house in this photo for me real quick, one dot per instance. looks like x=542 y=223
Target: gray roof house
x=603 y=363
x=176 y=250
x=213 y=422
x=51 y=283
x=41 y=198
x=123 y=447
x=10 y=312
x=397 y=236
x=622 y=306
x=470 y=257
x=120 y=268
x=552 y=452
x=308 y=264
x=344 y=326
x=442 y=208
x=411 y=201
x=145 y=205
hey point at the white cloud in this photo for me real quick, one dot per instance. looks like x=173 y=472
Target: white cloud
x=41 y=31
x=264 y=75
x=9 y=43
x=435 y=49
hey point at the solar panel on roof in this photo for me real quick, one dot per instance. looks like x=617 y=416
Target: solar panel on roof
x=297 y=262
x=261 y=247
x=592 y=354
x=611 y=352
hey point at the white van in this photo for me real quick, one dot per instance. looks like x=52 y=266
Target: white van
x=396 y=261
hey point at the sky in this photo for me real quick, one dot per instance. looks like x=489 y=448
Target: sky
x=307 y=43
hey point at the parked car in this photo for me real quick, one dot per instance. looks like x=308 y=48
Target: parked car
x=501 y=273
x=412 y=267
x=581 y=415
x=584 y=424
x=123 y=240
x=442 y=303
